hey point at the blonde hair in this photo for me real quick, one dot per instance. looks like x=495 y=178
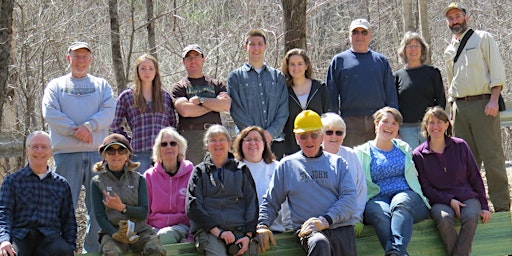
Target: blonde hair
x=182 y=144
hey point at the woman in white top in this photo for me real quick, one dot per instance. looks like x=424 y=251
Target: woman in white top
x=334 y=133
x=252 y=149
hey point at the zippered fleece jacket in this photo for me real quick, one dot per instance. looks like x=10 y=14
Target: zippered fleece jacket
x=230 y=204
x=167 y=195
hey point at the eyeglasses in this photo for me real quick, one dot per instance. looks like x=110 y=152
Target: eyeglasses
x=412 y=46
x=255 y=140
x=170 y=143
x=39 y=147
x=120 y=151
x=212 y=141
x=363 y=32
x=313 y=135
x=338 y=133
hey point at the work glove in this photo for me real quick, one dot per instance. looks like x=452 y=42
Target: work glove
x=264 y=237
x=126 y=233
x=313 y=224
x=358 y=228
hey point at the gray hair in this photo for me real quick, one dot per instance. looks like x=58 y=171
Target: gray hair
x=37 y=133
x=333 y=120
x=406 y=40
x=215 y=130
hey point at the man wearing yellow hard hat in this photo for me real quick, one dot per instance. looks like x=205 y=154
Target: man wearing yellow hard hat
x=320 y=191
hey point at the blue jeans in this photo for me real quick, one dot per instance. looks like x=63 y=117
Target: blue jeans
x=77 y=168
x=393 y=218
x=444 y=216
x=412 y=135
x=145 y=160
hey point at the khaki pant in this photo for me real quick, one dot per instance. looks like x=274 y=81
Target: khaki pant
x=148 y=244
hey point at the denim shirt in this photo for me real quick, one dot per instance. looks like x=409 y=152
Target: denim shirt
x=259 y=98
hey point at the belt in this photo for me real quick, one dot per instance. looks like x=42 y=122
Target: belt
x=475 y=97
x=186 y=127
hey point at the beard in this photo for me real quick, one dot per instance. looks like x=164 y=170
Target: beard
x=459 y=28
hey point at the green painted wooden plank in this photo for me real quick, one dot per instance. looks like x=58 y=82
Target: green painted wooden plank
x=491 y=239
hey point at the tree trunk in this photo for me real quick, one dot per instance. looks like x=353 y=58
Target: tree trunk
x=6 y=10
x=151 y=27
x=408 y=17
x=294 y=24
x=424 y=25
x=117 y=58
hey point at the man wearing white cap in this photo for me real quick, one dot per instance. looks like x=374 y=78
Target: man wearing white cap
x=199 y=101
x=476 y=78
x=79 y=109
x=312 y=177
x=361 y=82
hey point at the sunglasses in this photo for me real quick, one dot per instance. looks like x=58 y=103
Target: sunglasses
x=338 y=133
x=120 y=151
x=313 y=136
x=171 y=143
x=363 y=32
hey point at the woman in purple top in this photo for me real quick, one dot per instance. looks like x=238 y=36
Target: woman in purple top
x=147 y=109
x=450 y=179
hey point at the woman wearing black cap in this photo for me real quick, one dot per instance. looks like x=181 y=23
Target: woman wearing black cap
x=120 y=201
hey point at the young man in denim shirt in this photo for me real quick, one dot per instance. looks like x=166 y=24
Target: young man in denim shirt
x=258 y=93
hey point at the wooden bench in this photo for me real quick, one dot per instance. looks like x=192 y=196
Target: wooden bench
x=491 y=239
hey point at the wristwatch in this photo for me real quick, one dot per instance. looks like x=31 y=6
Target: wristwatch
x=201 y=101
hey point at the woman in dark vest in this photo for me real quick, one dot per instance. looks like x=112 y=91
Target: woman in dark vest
x=120 y=201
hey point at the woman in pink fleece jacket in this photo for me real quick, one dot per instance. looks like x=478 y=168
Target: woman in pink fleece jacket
x=167 y=187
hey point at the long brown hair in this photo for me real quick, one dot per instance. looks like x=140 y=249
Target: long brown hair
x=157 y=101
x=267 y=154
x=286 y=59
x=440 y=114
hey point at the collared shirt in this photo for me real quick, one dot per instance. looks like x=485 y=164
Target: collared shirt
x=144 y=126
x=27 y=202
x=479 y=67
x=259 y=98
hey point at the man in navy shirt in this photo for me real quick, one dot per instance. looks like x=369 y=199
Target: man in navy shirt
x=361 y=82
x=36 y=208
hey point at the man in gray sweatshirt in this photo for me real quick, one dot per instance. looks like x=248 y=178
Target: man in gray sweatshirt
x=320 y=191
x=79 y=109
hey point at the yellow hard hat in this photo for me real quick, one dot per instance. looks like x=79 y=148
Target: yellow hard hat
x=306 y=121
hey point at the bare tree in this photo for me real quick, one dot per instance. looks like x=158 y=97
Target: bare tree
x=6 y=10
x=425 y=25
x=294 y=14
x=117 y=58
x=407 y=16
x=151 y=27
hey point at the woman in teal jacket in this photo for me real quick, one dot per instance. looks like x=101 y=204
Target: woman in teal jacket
x=395 y=200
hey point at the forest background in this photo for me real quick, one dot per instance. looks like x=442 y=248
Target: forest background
x=34 y=36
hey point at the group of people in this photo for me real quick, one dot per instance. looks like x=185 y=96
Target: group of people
x=167 y=173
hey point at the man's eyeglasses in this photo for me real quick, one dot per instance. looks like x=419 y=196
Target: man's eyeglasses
x=338 y=133
x=313 y=135
x=363 y=32
x=120 y=151
x=39 y=147
x=170 y=143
